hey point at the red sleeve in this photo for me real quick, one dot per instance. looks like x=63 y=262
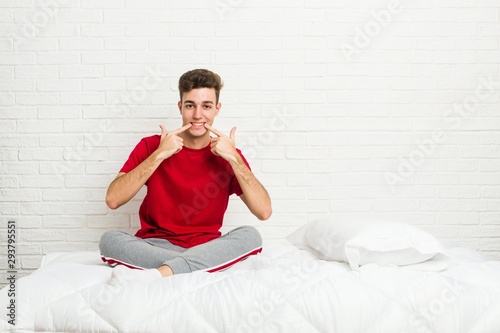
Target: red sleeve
x=235 y=186
x=138 y=155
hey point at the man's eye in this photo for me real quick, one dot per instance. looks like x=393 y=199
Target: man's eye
x=188 y=106
x=208 y=106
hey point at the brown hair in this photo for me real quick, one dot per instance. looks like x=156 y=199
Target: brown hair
x=200 y=78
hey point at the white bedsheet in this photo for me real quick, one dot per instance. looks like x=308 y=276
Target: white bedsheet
x=283 y=289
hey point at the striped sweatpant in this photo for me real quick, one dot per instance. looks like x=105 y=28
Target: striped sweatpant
x=118 y=247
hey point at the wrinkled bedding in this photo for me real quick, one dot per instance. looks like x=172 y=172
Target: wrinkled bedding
x=283 y=289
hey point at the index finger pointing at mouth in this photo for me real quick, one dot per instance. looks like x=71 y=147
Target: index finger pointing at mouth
x=213 y=130
x=182 y=129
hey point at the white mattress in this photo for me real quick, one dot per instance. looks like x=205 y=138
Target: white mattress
x=283 y=289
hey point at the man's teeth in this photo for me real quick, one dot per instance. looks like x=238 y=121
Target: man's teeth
x=197 y=124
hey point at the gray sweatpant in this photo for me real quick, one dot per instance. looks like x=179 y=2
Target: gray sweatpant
x=118 y=247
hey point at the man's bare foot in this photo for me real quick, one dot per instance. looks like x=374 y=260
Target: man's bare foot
x=165 y=271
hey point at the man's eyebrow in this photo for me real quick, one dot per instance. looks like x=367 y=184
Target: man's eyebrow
x=204 y=102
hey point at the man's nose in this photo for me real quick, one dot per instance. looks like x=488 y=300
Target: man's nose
x=198 y=112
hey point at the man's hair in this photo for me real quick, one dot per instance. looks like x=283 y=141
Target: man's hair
x=200 y=78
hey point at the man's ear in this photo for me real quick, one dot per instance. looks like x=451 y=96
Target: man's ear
x=179 y=105
x=217 y=108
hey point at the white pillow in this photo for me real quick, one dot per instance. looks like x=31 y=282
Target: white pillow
x=363 y=241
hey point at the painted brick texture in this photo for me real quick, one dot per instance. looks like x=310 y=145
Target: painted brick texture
x=388 y=109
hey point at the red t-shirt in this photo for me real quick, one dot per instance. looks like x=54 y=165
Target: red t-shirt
x=187 y=195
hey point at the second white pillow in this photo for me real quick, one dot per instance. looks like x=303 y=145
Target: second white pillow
x=363 y=241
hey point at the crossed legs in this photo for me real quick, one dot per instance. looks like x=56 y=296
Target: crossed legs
x=120 y=248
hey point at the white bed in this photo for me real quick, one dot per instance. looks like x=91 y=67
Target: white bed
x=283 y=289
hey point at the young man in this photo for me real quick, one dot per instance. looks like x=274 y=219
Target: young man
x=189 y=176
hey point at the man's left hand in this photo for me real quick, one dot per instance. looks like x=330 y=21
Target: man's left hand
x=222 y=145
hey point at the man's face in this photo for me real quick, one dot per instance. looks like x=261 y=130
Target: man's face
x=198 y=107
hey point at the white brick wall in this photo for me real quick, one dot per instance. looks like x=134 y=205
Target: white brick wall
x=390 y=108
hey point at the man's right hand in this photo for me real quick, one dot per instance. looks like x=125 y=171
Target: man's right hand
x=126 y=185
x=170 y=143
